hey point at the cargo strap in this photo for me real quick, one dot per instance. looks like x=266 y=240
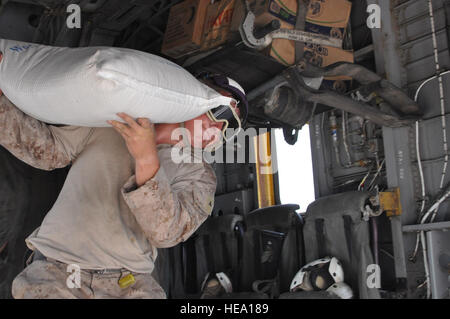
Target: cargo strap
x=348 y=234
x=300 y=24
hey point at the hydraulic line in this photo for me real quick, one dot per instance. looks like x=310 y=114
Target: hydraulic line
x=375 y=240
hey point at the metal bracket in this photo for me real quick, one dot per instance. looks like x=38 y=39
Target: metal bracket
x=390 y=202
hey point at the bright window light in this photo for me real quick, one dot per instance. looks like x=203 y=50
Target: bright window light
x=295 y=170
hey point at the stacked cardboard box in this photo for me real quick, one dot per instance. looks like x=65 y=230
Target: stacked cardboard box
x=197 y=25
x=184 y=28
x=217 y=25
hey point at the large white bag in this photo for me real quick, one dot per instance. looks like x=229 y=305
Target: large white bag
x=88 y=86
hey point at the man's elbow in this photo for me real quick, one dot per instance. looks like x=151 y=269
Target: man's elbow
x=49 y=161
x=166 y=242
x=173 y=235
x=37 y=158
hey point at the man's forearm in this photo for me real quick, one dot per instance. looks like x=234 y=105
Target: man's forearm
x=169 y=211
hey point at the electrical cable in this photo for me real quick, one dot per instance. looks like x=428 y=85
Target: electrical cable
x=426 y=82
x=344 y=138
x=365 y=178
x=435 y=206
x=376 y=175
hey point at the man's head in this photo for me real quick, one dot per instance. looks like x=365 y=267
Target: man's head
x=208 y=129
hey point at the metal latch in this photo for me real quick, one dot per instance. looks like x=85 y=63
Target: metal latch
x=246 y=30
x=390 y=202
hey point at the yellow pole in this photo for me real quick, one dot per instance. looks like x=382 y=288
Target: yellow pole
x=264 y=170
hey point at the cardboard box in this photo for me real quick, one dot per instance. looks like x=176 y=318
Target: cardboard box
x=217 y=24
x=197 y=25
x=184 y=32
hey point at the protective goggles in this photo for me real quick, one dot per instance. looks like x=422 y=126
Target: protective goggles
x=227 y=115
x=238 y=94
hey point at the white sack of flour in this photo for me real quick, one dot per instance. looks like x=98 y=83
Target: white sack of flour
x=88 y=86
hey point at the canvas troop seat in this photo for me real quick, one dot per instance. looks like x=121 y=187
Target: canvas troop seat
x=272 y=249
x=213 y=248
x=260 y=253
x=334 y=226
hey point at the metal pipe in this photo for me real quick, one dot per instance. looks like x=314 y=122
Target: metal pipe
x=375 y=240
x=264 y=170
x=426 y=227
x=263 y=88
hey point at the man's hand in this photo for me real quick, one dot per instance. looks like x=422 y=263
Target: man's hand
x=140 y=139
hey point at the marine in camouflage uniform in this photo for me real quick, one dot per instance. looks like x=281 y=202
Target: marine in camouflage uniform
x=103 y=221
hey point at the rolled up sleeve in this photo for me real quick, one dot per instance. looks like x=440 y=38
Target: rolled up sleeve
x=40 y=145
x=169 y=210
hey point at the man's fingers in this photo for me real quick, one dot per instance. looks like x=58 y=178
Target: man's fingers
x=121 y=128
x=118 y=130
x=130 y=121
x=144 y=122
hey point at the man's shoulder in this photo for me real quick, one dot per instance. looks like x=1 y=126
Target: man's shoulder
x=183 y=161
